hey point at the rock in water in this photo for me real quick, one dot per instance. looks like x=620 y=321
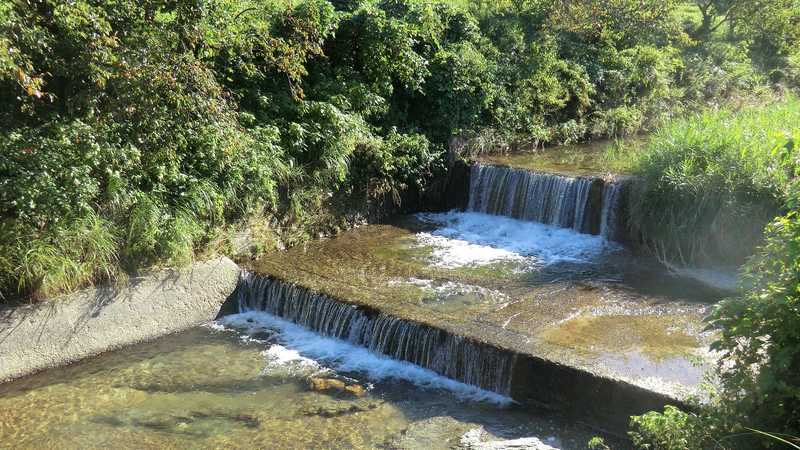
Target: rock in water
x=327 y=384
x=355 y=389
x=332 y=384
x=474 y=440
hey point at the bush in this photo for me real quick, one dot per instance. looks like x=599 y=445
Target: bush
x=670 y=430
x=711 y=182
x=166 y=122
x=760 y=339
x=717 y=71
x=393 y=165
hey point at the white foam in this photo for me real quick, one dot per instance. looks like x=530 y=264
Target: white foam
x=444 y=289
x=449 y=252
x=479 y=439
x=278 y=355
x=297 y=342
x=470 y=238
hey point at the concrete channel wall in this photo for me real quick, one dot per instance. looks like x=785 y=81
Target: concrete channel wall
x=92 y=321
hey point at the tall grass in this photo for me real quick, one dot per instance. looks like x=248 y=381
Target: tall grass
x=68 y=256
x=711 y=181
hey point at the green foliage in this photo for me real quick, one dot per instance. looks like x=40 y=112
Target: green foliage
x=393 y=164
x=70 y=254
x=767 y=29
x=760 y=338
x=711 y=182
x=597 y=443
x=757 y=404
x=670 y=430
x=459 y=90
x=171 y=121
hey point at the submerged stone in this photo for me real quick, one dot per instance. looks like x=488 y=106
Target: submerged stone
x=326 y=384
x=435 y=433
x=332 y=384
x=95 y=404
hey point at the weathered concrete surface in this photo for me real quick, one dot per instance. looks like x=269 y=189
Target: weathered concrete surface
x=478 y=439
x=66 y=329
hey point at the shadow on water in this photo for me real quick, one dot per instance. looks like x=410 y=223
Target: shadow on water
x=193 y=424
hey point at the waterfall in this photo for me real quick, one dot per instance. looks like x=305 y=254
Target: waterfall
x=444 y=353
x=533 y=196
x=609 y=217
x=585 y=204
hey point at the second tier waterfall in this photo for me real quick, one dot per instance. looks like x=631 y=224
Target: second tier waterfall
x=586 y=204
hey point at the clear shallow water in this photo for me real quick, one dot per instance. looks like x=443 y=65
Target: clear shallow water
x=574 y=160
x=255 y=381
x=573 y=298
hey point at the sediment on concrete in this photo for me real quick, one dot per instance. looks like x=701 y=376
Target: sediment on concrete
x=66 y=329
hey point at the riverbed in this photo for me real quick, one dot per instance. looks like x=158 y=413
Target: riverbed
x=255 y=381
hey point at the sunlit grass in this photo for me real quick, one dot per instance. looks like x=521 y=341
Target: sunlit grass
x=710 y=182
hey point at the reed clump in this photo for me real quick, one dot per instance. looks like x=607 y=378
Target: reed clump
x=711 y=182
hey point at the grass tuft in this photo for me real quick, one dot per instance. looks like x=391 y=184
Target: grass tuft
x=712 y=181
x=78 y=253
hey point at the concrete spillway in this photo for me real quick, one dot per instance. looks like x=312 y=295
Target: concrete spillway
x=481 y=354
x=526 y=294
x=430 y=347
x=546 y=315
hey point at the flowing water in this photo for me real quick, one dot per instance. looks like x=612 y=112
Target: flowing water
x=593 y=159
x=585 y=204
x=525 y=287
x=405 y=335
x=431 y=348
x=255 y=381
x=610 y=211
x=538 y=197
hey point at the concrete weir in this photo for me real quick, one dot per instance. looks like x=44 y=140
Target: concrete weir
x=528 y=293
x=587 y=204
x=63 y=330
x=454 y=349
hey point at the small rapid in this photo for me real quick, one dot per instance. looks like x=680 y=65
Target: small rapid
x=473 y=239
x=445 y=354
x=304 y=350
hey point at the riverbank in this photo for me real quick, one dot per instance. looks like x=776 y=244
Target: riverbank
x=66 y=329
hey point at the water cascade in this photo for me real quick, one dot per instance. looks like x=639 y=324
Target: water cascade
x=610 y=226
x=586 y=204
x=446 y=354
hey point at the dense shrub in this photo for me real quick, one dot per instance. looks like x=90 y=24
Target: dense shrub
x=760 y=339
x=710 y=182
x=152 y=125
x=393 y=165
